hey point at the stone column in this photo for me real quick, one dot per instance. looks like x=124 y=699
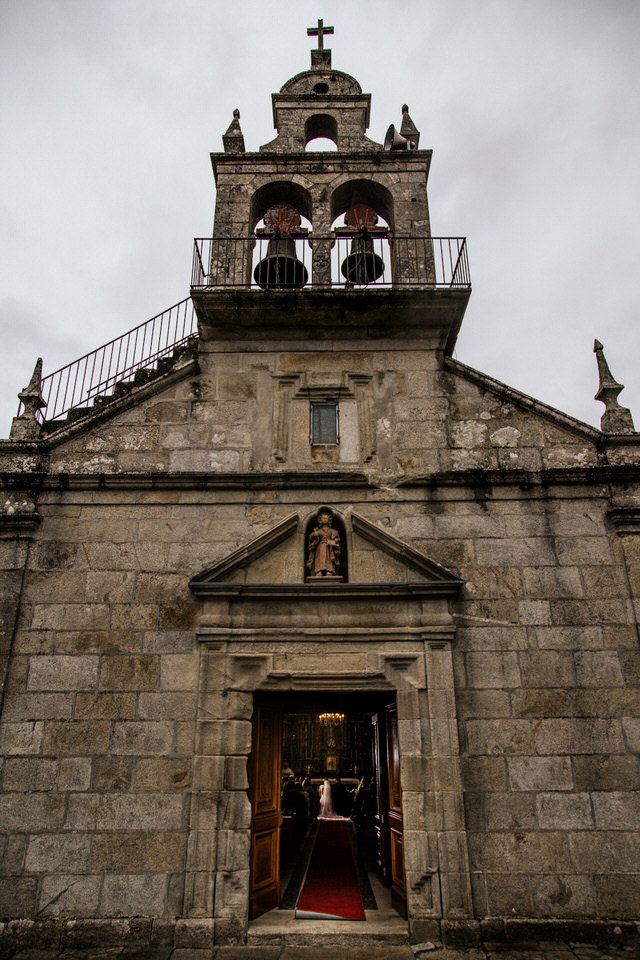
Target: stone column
x=321 y=244
x=449 y=821
x=217 y=873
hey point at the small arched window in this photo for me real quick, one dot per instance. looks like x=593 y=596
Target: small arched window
x=321 y=131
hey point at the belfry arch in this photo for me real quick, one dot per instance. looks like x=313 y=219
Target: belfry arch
x=280 y=191
x=369 y=192
x=321 y=125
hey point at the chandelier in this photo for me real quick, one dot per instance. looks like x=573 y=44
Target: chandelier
x=331 y=719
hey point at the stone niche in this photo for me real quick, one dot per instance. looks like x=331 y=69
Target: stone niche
x=264 y=628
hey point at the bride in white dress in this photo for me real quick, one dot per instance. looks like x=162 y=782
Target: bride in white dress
x=326 y=805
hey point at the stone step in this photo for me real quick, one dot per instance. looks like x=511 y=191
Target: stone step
x=372 y=941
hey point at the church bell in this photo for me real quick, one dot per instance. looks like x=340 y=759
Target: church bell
x=362 y=265
x=281 y=267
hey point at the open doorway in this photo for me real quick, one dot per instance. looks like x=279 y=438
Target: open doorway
x=313 y=747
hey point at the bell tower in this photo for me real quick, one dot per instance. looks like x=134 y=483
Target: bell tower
x=328 y=248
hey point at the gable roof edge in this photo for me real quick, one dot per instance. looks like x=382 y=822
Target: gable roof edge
x=95 y=416
x=245 y=554
x=402 y=551
x=560 y=419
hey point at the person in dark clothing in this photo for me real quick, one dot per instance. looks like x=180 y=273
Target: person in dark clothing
x=341 y=800
x=364 y=803
x=313 y=798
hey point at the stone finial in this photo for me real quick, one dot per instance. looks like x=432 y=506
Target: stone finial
x=26 y=426
x=615 y=419
x=233 y=140
x=408 y=129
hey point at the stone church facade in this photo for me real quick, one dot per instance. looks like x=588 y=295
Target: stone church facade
x=164 y=606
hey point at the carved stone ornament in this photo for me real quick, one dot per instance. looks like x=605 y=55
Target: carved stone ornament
x=26 y=426
x=233 y=140
x=324 y=549
x=282 y=218
x=616 y=419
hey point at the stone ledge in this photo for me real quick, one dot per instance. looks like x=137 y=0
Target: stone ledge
x=203 y=481
x=625 y=519
x=512 y=930
x=143 y=933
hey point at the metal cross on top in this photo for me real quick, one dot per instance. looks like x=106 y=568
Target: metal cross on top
x=319 y=32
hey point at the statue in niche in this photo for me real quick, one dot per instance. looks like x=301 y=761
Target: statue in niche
x=323 y=561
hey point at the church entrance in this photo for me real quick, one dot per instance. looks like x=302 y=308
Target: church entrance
x=326 y=803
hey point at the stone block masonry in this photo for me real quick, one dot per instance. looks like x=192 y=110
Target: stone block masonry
x=153 y=588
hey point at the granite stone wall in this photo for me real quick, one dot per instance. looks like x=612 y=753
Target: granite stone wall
x=123 y=779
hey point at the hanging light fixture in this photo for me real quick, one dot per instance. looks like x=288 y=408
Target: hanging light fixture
x=331 y=719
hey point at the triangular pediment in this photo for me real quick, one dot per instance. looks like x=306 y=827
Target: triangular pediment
x=378 y=564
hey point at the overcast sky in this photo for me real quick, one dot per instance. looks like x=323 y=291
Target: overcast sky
x=109 y=109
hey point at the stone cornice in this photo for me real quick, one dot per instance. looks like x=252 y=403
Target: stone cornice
x=405 y=316
x=322 y=591
x=38 y=479
x=332 y=160
x=18 y=526
x=528 y=479
x=625 y=519
x=202 y=481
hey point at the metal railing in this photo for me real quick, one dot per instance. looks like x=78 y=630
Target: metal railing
x=335 y=261
x=332 y=261
x=96 y=374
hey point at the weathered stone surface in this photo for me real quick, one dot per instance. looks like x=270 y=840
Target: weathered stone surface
x=520 y=853
x=55 y=852
x=606 y=772
x=167 y=705
x=70 y=738
x=63 y=673
x=105 y=706
x=31 y=813
x=18 y=897
x=111 y=773
x=162 y=773
x=617 y=810
x=540 y=773
x=605 y=851
x=69 y=895
x=109 y=811
x=159 y=852
x=129 y=673
x=142 y=738
x=617 y=896
x=564 y=811
x=133 y=894
x=578 y=736
x=18 y=739
x=179 y=672
x=486 y=737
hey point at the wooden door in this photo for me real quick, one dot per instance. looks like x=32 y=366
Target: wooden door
x=264 y=794
x=396 y=830
x=383 y=854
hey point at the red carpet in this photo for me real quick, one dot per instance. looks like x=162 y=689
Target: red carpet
x=331 y=890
